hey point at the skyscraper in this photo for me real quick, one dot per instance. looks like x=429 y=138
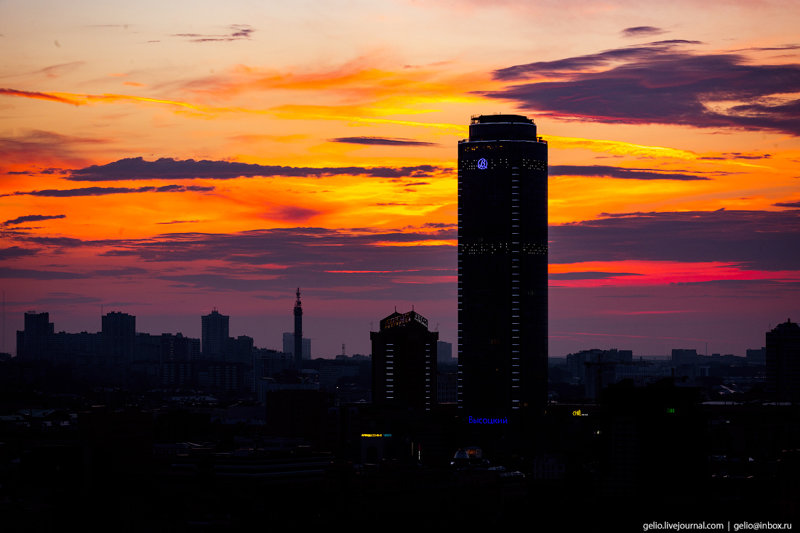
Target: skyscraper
x=404 y=362
x=214 y=334
x=502 y=267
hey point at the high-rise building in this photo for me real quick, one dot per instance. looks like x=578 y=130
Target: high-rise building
x=502 y=267
x=119 y=337
x=404 y=362
x=298 y=332
x=783 y=362
x=214 y=334
x=34 y=341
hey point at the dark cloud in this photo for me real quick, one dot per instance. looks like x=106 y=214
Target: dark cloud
x=660 y=84
x=384 y=141
x=640 y=31
x=124 y=271
x=137 y=168
x=23 y=273
x=102 y=191
x=440 y=225
x=58 y=242
x=787 y=204
x=13 y=252
x=736 y=155
x=33 y=172
x=180 y=222
x=31 y=218
x=754 y=239
x=415 y=183
x=619 y=172
x=588 y=275
x=576 y=65
x=236 y=32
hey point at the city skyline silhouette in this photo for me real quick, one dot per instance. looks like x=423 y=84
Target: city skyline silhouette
x=446 y=265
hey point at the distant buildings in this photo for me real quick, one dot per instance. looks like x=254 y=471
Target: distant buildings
x=288 y=345
x=502 y=267
x=444 y=352
x=783 y=362
x=404 y=362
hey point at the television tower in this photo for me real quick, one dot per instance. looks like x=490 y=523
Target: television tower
x=298 y=333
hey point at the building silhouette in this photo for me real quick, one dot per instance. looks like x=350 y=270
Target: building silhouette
x=119 y=337
x=298 y=332
x=502 y=267
x=214 y=334
x=404 y=362
x=34 y=342
x=783 y=362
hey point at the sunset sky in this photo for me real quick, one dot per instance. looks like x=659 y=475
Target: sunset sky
x=166 y=158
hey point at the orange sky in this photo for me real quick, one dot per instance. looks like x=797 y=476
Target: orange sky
x=648 y=108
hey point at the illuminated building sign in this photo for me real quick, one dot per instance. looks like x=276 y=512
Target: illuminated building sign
x=578 y=412
x=503 y=420
x=375 y=435
x=482 y=163
x=405 y=319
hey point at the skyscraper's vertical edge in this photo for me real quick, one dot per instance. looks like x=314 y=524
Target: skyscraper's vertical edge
x=502 y=267
x=298 y=332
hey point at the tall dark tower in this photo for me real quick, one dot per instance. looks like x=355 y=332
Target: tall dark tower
x=502 y=267
x=298 y=332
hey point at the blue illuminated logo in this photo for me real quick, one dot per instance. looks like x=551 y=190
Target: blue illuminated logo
x=482 y=163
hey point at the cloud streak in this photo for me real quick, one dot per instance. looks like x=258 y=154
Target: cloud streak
x=237 y=32
x=102 y=191
x=619 y=172
x=31 y=218
x=137 y=168
x=380 y=141
x=641 y=31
